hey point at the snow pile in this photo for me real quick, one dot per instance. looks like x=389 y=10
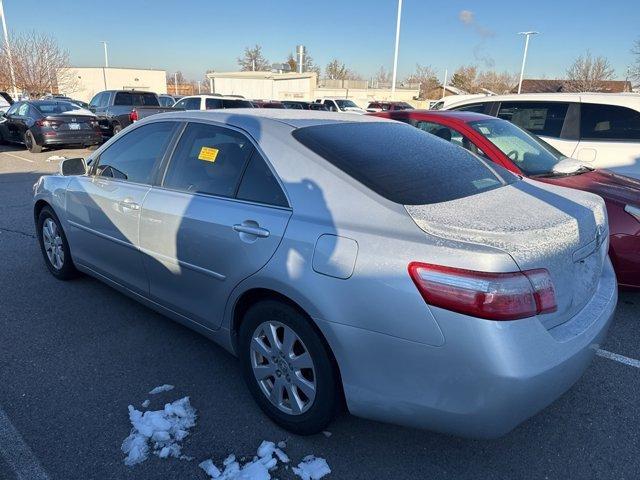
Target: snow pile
x=312 y=468
x=161 y=388
x=163 y=429
x=266 y=461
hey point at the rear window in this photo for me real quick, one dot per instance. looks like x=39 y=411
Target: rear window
x=136 y=99
x=401 y=163
x=236 y=104
x=609 y=122
x=49 y=108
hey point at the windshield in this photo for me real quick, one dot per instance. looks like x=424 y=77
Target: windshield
x=530 y=154
x=346 y=104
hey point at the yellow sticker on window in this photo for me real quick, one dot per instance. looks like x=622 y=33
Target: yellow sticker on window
x=208 y=154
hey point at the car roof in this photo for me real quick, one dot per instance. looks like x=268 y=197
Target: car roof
x=463 y=117
x=211 y=95
x=255 y=120
x=626 y=99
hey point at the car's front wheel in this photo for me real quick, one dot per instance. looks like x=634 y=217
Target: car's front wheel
x=54 y=245
x=287 y=367
x=31 y=144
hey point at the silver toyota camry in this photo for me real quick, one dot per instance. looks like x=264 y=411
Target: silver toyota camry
x=344 y=258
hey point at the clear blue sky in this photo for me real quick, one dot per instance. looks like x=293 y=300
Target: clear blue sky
x=193 y=36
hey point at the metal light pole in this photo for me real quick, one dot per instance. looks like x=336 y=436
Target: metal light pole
x=395 y=54
x=524 y=57
x=175 y=82
x=444 y=84
x=8 y=47
x=106 y=54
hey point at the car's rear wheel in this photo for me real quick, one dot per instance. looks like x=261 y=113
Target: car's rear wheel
x=116 y=129
x=287 y=367
x=31 y=144
x=54 y=245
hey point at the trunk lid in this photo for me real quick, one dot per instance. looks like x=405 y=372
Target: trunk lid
x=69 y=122
x=539 y=226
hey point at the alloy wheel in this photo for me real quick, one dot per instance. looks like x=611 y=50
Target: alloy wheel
x=52 y=241
x=283 y=367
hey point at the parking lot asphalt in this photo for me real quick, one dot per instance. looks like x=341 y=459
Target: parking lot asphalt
x=74 y=355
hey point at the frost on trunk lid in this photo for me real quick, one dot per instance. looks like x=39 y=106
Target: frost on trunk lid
x=540 y=226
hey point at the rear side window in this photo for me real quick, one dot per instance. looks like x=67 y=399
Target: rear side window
x=540 y=118
x=145 y=100
x=474 y=107
x=260 y=185
x=402 y=163
x=123 y=98
x=236 y=104
x=134 y=156
x=213 y=103
x=608 y=122
x=208 y=159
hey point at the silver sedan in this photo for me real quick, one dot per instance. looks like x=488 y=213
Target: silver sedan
x=344 y=258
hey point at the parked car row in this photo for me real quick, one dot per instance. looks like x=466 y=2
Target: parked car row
x=350 y=258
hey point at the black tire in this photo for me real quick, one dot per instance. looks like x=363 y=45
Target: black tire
x=116 y=129
x=31 y=144
x=323 y=407
x=67 y=270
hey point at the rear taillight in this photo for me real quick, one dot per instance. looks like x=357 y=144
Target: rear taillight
x=47 y=123
x=494 y=296
x=133 y=116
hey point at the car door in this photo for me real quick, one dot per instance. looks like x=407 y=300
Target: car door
x=8 y=126
x=555 y=122
x=98 y=106
x=103 y=207
x=217 y=218
x=610 y=138
x=19 y=122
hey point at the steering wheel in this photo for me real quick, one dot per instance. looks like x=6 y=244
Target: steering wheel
x=513 y=155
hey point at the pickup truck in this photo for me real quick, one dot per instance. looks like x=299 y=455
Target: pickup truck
x=117 y=109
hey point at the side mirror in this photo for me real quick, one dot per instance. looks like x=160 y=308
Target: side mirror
x=73 y=166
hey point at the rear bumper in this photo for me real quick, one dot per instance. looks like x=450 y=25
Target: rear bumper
x=625 y=255
x=486 y=379
x=69 y=138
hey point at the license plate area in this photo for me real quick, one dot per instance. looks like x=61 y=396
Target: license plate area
x=74 y=126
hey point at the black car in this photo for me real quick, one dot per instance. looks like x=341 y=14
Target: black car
x=44 y=123
x=301 y=105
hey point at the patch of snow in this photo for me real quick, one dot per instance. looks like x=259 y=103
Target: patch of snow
x=257 y=469
x=163 y=429
x=209 y=468
x=146 y=403
x=326 y=434
x=162 y=388
x=312 y=468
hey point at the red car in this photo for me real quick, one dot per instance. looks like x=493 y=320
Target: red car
x=524 y=154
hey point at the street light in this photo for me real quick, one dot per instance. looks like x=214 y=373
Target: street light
x=106 y=55
x=524 y=57
x=395 y=54
x=8 y=47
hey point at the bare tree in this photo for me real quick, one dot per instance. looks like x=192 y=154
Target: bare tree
x=466 y=78
x=426 y=77
x=382 y=76
x=634 y=70
x=40 y=65
x=336 y=70
x=253 y=60
x=498 y=83
x=588 y=74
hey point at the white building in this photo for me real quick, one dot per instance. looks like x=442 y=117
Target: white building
x=84 y=82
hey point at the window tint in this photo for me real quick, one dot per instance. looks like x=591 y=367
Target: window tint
x=165 y=101
x=189 y=103
x=14 y=108
x=402 y=163
x=104 y=99
x=540 y=118
x=134 y=156
x=56 y=107
x=260 y=185
x=446 y=133
x=474 y=107
x=123 y=98
x=208 y=159
x=213 y=103
x=24 y=108
x=145 y=100
x=609 y=122
x=236 y=104
x=95 y=101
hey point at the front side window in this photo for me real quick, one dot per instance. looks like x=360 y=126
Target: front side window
x=135 y=156
x=342 y=104
x=608 y=122
x=402 y=163
x=95 y=101
x=165 y=101
x=539 y=118
x=208 y=159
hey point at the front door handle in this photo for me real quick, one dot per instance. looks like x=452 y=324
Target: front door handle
x=251 y=230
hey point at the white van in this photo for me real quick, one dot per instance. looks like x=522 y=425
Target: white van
x=600 y=129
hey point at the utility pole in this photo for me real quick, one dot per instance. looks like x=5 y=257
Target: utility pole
x=444 y=84
x=524 y=56
x=395 y=54
x=175 y=83
x=199 y=83
x=106 y=54
x=8 y=47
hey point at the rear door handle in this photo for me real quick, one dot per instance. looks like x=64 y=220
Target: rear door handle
x=131 y=205
x=251 y=230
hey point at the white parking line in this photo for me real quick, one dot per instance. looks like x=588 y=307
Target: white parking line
x=17 y=453
x=632 y=362
x=19 y=157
